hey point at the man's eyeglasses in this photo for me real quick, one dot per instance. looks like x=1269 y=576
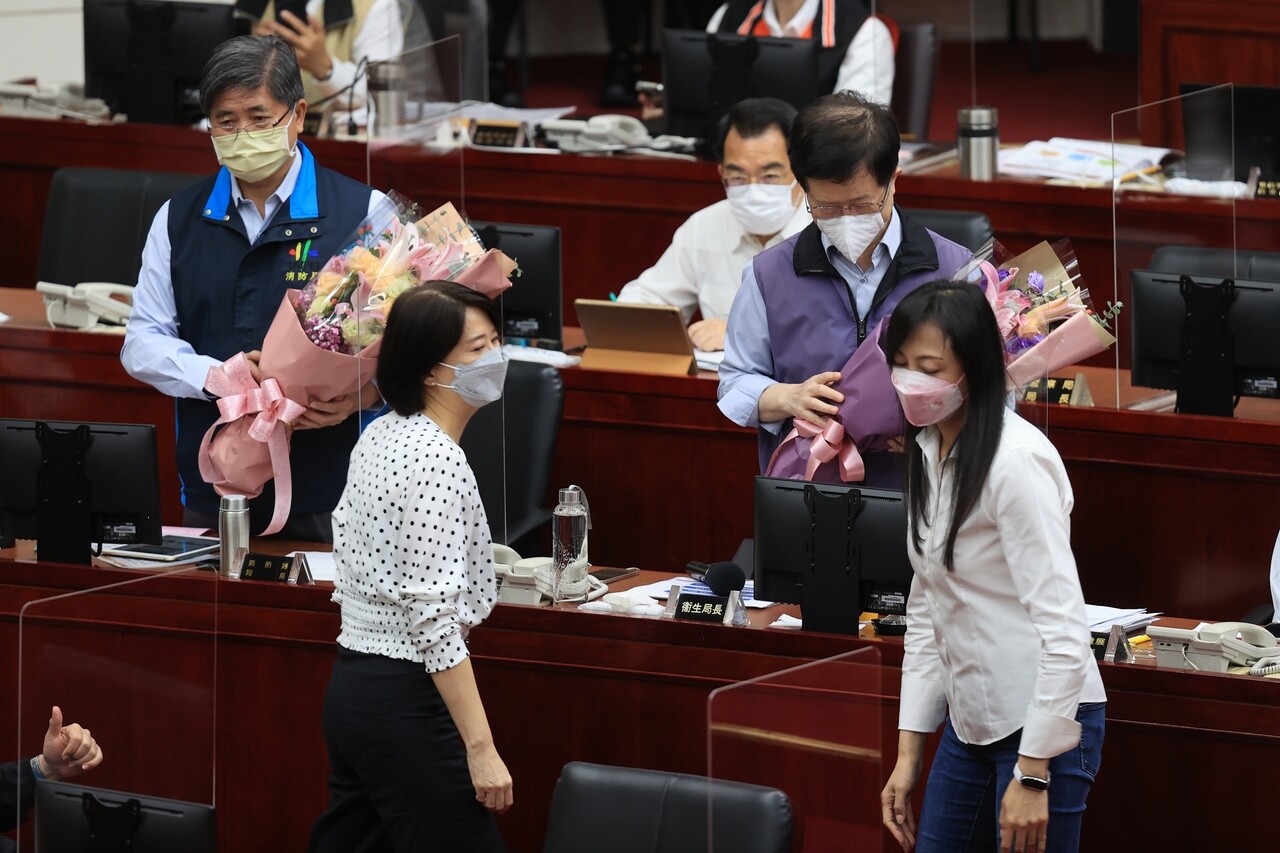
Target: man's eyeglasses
x=772 y=179
x=227 y=128
x=831 y=211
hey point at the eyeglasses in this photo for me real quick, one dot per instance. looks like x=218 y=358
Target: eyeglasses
x=227 y=128
x=772 y=179
x=831 y=211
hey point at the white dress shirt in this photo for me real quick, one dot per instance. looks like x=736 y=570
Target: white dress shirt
x=1003 y=640
x=747 y=369
x=867 y=67
x=381 y=37
x=153 y=351
x=704 y=264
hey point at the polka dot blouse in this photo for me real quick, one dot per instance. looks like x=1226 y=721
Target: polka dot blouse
x=412 y=546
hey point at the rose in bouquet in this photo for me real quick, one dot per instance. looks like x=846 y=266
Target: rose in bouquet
x=869 y=418
x=323 y=343
x=1046 y=320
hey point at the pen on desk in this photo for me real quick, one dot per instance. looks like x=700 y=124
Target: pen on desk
x=613 y=297
x=1129 y=176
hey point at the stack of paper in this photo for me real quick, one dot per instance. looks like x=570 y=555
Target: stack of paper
x=1101 y=617
x=1090 y=161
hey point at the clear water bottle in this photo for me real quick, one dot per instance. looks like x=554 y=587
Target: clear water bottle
x=569 y=525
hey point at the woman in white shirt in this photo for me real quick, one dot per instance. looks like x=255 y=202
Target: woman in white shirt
x=412 y=761
x=997 y=639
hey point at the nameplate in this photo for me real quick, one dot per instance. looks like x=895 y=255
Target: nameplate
x=268 y=567
x=701 y=608
x=1061 y=390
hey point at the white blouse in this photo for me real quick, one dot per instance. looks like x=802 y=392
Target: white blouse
x=412 y=546
x=1003 y=640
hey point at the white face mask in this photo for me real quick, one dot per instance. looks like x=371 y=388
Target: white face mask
x=851 y=235
x=762 y=209
x=252 y=155
x=481 y=381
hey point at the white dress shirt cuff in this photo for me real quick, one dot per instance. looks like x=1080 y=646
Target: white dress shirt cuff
x=923 y=705
x=1047 y=735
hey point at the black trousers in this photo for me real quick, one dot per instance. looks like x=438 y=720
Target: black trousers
x=398 y=776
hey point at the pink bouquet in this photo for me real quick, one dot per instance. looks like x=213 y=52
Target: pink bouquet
x=1046 y=320
x=323 y=342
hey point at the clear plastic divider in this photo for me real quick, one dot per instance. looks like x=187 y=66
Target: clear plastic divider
x=821 y=733
x=135 y=662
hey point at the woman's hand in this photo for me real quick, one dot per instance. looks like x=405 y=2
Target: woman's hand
x=895 y=802
x=491 y=779
x=1024 y=817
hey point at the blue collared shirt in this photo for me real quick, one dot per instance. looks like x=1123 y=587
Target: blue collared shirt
x=747 y=369
x=153 y=350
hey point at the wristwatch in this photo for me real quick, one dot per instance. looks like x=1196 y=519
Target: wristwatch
x=1035 y=783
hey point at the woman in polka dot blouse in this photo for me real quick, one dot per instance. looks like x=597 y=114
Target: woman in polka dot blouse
x=413 y=763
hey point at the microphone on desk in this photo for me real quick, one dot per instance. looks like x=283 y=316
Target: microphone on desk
x=725 y=577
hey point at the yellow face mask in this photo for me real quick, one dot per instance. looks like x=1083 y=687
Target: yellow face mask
x=252 y=155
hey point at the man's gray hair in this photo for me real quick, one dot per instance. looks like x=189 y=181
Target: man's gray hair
x=251 y=62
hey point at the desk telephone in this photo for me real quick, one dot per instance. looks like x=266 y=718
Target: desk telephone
x=528 y=581
x=1213 y=648
x=87 y=305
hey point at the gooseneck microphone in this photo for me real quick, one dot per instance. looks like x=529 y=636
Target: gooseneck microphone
x=725 y=577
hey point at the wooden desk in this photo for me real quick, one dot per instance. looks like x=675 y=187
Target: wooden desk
x=560 y=686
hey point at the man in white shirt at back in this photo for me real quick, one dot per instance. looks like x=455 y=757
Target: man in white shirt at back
x=702 y=268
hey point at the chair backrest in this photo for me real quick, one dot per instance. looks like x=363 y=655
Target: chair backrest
x=96 y=222
x=915 y=69
x=510 y=445
x=1245 y=264
x=969 y=228
x=625 y=810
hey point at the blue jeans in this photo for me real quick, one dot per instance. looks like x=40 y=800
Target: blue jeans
x=967 y=783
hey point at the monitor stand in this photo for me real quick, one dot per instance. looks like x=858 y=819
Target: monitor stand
x=1207 y=352
x=831 y=595
x=64 y=516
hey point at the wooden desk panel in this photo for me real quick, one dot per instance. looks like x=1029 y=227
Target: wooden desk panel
x=562 y=685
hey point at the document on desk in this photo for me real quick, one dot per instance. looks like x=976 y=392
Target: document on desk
x=662 y=589
x=1092 y=161
x=708 y=360
x=321 y=564
x=1101 y=617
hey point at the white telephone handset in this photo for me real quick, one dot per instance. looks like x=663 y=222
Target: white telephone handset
x=529 y=581
x=86 y=305
x=1214 y=647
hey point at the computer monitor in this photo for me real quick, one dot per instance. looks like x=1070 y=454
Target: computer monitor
x=70 y=485
x=704 y=74
x=1229 y=130
x=1158 y=312
x=531 y=308
x=66 y=820
x=145 y=58
x=834 y=550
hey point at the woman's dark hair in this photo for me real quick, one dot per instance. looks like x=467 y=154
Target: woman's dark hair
x=754 y=117
x=964 y=316
x=424 y=325
x=839 y=135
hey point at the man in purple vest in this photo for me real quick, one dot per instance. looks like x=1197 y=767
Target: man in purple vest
x=806 y=304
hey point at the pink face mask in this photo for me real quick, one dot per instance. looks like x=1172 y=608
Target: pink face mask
x=926 y=399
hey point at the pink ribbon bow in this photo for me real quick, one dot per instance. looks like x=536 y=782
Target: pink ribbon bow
x=240 y=396
x=827 y=443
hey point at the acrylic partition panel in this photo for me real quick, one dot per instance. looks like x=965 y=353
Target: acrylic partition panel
x=822 y=733
x=134 y=661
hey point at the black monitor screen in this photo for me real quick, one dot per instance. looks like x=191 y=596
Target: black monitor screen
x=1230 y=129
x=120 y=468
x=64 y=821
x=834 y=550
x=531 y=308
x=145 y=58
x=1157 y=314
x=704 y=74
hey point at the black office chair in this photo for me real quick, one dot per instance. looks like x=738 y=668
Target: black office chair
x=915 y=68
x=969 y=228
x=510 y=446
x=624 y=810
x=1245 y=264
x=96 y=222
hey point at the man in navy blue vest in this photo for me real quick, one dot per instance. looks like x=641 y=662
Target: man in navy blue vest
x=807 y=303
x=218 y=260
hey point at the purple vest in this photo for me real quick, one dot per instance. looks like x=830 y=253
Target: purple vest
x=811 y=314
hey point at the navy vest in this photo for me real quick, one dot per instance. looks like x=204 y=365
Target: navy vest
x=227 y=292
x=848 y=15
x=812 y=316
